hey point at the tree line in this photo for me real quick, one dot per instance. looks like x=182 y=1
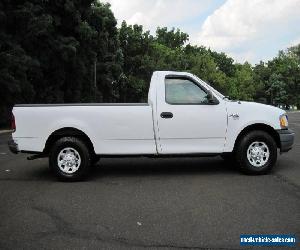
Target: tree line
x=63 y=51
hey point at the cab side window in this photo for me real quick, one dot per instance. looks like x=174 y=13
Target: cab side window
x=184 y=91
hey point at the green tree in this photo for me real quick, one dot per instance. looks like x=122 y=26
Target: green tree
x=262 y=74
x=287 y=68
x=171 y=38
x=224 y=63
x=49 y=50
x=277 y=89
x=136 y=47
x=242 y=85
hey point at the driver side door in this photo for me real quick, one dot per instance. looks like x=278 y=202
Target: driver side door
x=187 y=121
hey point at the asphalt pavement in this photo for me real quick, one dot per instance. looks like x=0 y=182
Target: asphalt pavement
x=138 y=203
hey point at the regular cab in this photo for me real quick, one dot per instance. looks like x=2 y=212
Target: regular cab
x=183 y=116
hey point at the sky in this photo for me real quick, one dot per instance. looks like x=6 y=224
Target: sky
x=247 y=30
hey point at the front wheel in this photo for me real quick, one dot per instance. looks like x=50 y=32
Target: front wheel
x=256 y=153
x=70 y=159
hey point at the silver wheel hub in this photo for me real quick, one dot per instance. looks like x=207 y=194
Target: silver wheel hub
x=68 y=160
x=258 y=154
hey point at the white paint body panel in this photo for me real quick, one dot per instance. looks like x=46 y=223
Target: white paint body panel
x=193 y=128
x=139 y=129
x=111 y=129
x=249 y=113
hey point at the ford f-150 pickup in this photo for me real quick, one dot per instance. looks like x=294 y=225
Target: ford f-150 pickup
x=183 y=116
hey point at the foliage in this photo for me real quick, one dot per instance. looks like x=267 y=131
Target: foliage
x=48 y=50
x=72 y=51
x=274 y=82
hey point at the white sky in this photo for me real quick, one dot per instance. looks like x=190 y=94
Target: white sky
x=248 y=30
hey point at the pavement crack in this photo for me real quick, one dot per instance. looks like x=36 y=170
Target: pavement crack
x=291 y=184
x=62 y=226
x=65 y=228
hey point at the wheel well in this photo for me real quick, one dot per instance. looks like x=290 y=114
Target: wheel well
x=259 y=126
x=63 y=132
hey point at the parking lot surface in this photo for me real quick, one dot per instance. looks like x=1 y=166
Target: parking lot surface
x=138 y=203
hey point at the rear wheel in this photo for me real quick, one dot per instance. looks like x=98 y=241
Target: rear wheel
x=70 y=159
x=256 y=153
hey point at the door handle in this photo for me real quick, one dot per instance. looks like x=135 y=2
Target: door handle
x=166 y=115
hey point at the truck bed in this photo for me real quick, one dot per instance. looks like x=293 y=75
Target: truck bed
x=113 y=128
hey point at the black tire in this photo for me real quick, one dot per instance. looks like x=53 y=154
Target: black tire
x=83 y=151
x=241 y=152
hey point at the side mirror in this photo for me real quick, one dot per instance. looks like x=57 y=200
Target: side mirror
x=211 y=99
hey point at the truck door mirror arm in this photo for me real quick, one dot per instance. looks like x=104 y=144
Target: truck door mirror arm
x=212 y=100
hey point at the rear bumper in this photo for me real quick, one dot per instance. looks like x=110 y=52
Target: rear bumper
x=13 y=147
x=286 y=139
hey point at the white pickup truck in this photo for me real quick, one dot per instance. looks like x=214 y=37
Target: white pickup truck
x=183 y=116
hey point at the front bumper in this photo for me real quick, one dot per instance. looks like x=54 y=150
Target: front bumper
x=13 y=146
x=286 y=137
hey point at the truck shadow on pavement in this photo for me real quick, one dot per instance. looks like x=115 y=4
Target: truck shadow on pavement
x=142 y=166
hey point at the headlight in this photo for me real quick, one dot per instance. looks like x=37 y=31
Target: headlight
x=284 y=121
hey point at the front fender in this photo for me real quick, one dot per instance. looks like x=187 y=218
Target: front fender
x=249 y=114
